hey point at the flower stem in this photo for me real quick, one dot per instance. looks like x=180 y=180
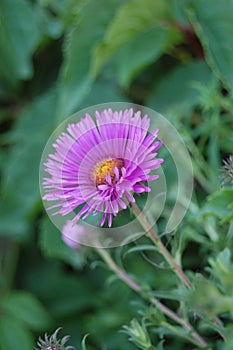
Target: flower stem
x=163 y=250
x=155 y=238
x=118 y=271
x=196 y=338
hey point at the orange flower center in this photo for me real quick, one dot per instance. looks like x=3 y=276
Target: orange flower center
x=106 y=167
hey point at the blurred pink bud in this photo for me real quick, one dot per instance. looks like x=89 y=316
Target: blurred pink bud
x=72 y=233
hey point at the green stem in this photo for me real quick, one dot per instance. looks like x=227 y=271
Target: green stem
x=163 y=250
x=168 y=257
x=197 y=339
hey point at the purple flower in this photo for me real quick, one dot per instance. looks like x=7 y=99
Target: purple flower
x=100 y=166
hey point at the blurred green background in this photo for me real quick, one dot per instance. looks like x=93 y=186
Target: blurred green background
x=57 y=57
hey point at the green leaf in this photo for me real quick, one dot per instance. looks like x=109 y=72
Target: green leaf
x=53 y=246
x=19 y=36
x=20 y=177
x=75 y=75
x=213 y=152
x=138 y=334
x=207 y=296
x=140 y=51
x=227 y=345
x=170 y=294
x=178 y=90
x=65 y=293
x=221 y=269
x=212 y=21
x=220 y=204
x=141 y=248
x=83 y=345
x=133 y=18
x=50 y=25
x=102 y=91
x=160 y=345
x=14 y=335
x=26 y=308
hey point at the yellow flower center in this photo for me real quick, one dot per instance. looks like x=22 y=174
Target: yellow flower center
x=106 y=167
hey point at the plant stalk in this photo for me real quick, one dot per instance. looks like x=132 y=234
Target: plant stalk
x=155 y=238
x=168 y=257
x=196 y=338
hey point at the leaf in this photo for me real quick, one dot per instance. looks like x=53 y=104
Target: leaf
x=220 y=204
x=102 y=91
x=137 y=334
x=168 y=294
x=50 y=25
x=160 y=345
x=26 y=308
x=19 y=36
x=213 y=24
x=227 y=345
x=14 y=335
x=53 y=246
x=83 y=345
x=178 y=90
x=5 y=90
x=221 y=269
x=214 y=158
x=67 y=294
x=141 y=248
x=140 y=51
x=134 y=17
x=75 y=77
x=20 y=177
x=207 y=296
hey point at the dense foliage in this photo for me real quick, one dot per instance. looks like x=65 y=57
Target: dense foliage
x=59 y=56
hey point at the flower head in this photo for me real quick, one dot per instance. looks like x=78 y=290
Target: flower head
x=227 y=169
x=100 y=166
x=52 y=343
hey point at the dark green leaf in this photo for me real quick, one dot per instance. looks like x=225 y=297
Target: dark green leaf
x=213 y=24
x=14 y=335
x=178 y=90
x=75 y=76
x=19 y=36
x=26 y=308
x=53 y=246
x=140 y=51
x=20 y=180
